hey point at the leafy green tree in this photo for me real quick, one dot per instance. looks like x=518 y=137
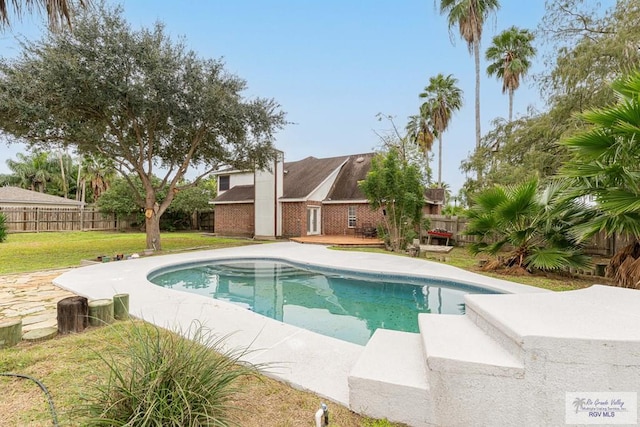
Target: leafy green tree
x=589 y=46
x=605 y=167
x=442 y=98
x=532 y=229
x=395 y=186
x=59 y=12
x=195 y=198
x=528 y=148
x=125 y=198
x=469 y=17
x=138 y=99
x=586 y=49
x=408 y=149
x=6 y=179
x=510 y=55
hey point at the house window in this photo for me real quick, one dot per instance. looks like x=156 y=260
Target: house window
x=351 y=218
x=223 y=182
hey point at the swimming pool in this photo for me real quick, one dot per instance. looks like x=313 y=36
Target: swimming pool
x=332 y=302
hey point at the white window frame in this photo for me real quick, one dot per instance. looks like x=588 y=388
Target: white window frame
x=352 y=218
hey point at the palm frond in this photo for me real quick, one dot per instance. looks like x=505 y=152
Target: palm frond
x=554 y=259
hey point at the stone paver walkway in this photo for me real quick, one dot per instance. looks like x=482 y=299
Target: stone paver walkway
x=32 y=297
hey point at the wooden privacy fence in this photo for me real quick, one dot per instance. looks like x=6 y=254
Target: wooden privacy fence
x=36 y=219
x=599 y=245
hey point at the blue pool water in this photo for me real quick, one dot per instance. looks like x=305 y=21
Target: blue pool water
x=336 y=303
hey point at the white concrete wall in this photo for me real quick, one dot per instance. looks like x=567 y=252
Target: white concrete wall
x=236 y=178
x=268 y=189
x=510 y=360
x=244 y=178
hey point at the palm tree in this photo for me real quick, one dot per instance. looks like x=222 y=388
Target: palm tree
x=469 y=17
x=98 y=172
x=420 y=131
x=510 y=56
x=442 y=99
x=532 y=228
x=32 y=172
x=58 y=11
x=604 y=167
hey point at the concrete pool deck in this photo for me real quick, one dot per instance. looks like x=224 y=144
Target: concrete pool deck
x=304 y=359
x=491 y=354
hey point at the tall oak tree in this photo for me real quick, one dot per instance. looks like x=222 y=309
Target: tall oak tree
x=138 y=98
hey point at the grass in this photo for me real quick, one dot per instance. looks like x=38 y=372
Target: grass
x=261 y=402
x=44 y=251
x=461 y=258
x=71 y=366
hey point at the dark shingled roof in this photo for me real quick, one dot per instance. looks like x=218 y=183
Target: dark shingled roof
x=346 y=185
x=304 y=176
x=238 y=193
x=16 y=195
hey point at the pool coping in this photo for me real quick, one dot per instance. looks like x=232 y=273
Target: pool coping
x=302 y=358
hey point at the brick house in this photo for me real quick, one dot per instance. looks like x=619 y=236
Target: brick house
x=306 y=197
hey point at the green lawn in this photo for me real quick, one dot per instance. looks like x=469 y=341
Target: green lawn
x=42 y=251
x=461 y=258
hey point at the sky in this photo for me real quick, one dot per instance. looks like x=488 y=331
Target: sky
x=333 y=65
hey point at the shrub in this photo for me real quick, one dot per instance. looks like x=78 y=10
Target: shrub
x=3 y=228
x=530 y=228
x=162 y=379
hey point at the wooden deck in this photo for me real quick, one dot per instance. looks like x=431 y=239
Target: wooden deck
x=340 y=240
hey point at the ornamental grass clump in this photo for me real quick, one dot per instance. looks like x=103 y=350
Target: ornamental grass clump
x=160 y=378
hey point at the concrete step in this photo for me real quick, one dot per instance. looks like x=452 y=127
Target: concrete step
x=389 y=380
x=456 y=344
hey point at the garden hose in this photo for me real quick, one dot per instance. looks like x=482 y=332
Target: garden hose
x=44 y=389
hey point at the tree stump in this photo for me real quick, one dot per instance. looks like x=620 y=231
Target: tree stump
x=10 y=332
x=72 y=315
x=38 y=335
x=100 y=312
x=121 y=306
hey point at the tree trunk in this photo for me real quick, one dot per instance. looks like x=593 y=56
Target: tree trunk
x=63 y=176
x=121 y=306
x=78 y=179
x=10 y=333
x=476 y=55
x=100 y=312
x=440 y=159
x=72 y=315
x=511 y=91
x=152 y=226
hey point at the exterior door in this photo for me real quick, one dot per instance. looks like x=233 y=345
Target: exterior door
x=313 y=220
